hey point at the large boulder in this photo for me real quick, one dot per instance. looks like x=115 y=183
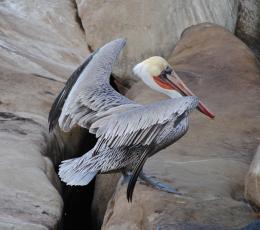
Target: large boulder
x=40 y=46
x=150 y=26
x=209 y=164
x=247 y=28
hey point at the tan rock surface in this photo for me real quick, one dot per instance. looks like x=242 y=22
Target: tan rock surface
x=209 y=164
x=150 y=26
x=104 y=189
x=40 y=45
x=252 y=184
x=39 y=38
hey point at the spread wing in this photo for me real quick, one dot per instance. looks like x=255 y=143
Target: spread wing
x=88 y=91
x=60 y=100
x=139 y=125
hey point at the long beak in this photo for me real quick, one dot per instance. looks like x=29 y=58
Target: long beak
x=179 y=85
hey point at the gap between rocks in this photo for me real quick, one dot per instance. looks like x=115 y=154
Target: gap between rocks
x=77 y=199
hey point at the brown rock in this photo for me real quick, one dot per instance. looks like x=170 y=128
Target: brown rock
x=40 y=45
x=252 y=185
x=209 y=164
x=104 y=189
x=247 y=28
x=150 y=26
x=41 y=39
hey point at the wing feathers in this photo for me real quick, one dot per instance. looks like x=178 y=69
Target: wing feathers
x=140 y=124
x=133 y=179
x=56 y=108
x=92 y=88
x=78 y=171
x=88 y=92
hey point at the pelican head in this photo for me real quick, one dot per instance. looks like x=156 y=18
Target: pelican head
x=160 y=76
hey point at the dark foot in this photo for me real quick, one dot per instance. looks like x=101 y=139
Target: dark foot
x=125 y=177
x=155 y=183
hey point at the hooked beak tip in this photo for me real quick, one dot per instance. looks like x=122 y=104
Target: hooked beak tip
x=203 y=109
x=178 y=84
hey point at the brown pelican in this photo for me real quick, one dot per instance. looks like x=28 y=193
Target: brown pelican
x=127 y=133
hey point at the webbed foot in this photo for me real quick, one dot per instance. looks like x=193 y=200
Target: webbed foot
x=126 y=176
x=155 y=183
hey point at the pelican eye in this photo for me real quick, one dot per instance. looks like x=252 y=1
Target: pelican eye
x=166 y=71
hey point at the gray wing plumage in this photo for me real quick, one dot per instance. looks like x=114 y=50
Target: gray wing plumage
x=141 y=124
x=126 y=137
x=57 y=105
x=89 y=92
x=138 y=126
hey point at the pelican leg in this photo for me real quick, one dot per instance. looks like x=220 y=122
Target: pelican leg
x=155 y=183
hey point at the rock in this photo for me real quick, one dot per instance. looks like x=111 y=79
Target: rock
x=208 y=165
x=107 y=183
x=44 y=32
x=150 y=27
x=247 y=28
x=253 y=226
x=27 y=194
x=252 y=186
x=21 y=226
x=40 y=46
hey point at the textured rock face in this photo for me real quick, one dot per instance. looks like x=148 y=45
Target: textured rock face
x=29 y=189
x=248 y=25
x=40 y=45
x=104 y=189
x=252 y=185
x=150 y=27
x=209 y=164
x=33 y=31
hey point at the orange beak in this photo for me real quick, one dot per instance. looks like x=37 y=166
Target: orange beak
x=174 y=82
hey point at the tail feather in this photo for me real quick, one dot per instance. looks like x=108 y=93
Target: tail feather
x=77 y=171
